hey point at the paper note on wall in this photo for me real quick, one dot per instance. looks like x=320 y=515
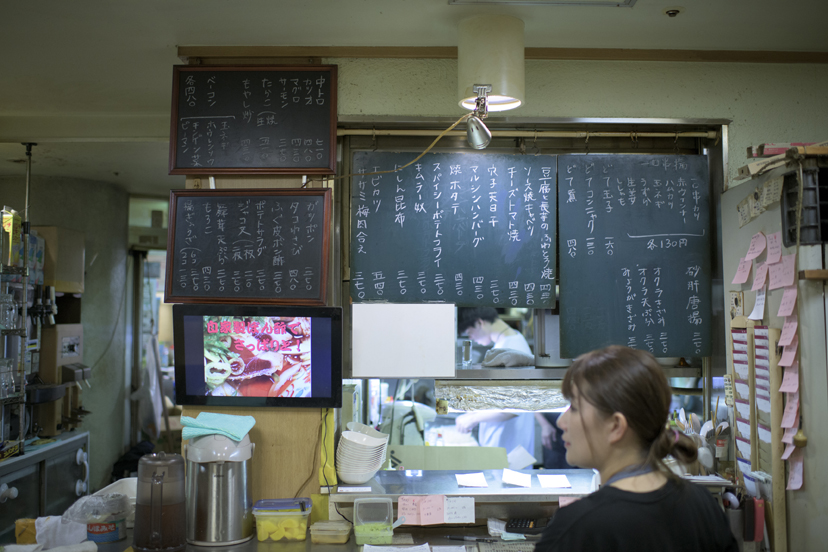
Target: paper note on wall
x=774 y=248
x=788 y=436
x=782 y=273
x=432 y=509
x=743 y=271
x=743 y=446
x=788 y=330
x=741 y=369
x=759 y=306
x=760 y=277
x=764 y=433
x=742 y=389
x=789 y=354
x=459 y=509
x=791 y=412
x=408 y=506
x=743 y=408
x=790 y=381
x=743 y=427
x=786 y=307
x=797 y=471
x=788 y=450
x=757 y=245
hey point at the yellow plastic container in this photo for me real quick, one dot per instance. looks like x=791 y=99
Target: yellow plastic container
x=282 y=520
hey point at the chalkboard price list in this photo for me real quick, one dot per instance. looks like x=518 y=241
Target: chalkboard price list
x=257 y=119
x=268 y=247
x=471 y=229
x=635 y=262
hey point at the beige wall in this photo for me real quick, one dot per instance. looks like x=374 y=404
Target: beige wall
x=766 y=102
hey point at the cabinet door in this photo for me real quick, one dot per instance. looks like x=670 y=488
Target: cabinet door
x=63 y=472
x=26 y=505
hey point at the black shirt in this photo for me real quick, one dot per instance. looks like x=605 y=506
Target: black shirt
x=678 y=517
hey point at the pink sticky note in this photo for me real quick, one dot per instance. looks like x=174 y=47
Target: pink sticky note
x=788 y=303
x=774 y=248
x=432 y=509
x=783 y=274
x=788 y=450
x=788 y=436
x=791 y=410
x=743 y=271
x=797 y=471
x=760 y=277
x=757 y=245
x=408 y=506
x=789 y=354
x=788 y=330
x=790 y=381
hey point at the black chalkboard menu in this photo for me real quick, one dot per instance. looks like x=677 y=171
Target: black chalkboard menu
x=242 y=246
x=474 y=229
x=268 y=120
x=634 y=242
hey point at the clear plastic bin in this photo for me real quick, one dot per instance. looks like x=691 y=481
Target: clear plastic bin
x=330 y=532
x=282 y=520
x=373 y=519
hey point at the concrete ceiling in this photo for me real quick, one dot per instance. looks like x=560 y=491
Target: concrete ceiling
x=90 y=80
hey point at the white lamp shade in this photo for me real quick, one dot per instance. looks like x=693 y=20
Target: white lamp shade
x=490 y=51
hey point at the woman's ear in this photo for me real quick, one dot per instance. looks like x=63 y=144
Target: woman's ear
x=617 y=427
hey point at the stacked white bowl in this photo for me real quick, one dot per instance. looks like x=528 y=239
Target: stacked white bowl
x=360 y=454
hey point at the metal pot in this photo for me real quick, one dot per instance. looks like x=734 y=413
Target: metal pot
x=219 y=500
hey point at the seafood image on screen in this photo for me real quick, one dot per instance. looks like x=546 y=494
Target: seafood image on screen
x=257 y=356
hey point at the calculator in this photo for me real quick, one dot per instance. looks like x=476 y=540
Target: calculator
x=525 y=526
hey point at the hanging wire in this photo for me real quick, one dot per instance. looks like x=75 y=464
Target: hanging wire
x=434 y=143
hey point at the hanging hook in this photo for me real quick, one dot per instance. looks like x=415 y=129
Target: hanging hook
x=675 y=143
x=535 y=143
x=373 y=139
x=521 y=144
x=586 y=142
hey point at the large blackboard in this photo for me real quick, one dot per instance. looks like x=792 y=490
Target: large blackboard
x=466 y=228
x=240 y=246
x=634 y=242
x=268 y=120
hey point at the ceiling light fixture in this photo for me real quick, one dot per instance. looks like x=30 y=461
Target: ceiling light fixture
x=490 y=53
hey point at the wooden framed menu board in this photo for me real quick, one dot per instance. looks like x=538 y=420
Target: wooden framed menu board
x=256 y=119
x=248 y=246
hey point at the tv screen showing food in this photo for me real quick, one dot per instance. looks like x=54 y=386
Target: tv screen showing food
x=257 y=356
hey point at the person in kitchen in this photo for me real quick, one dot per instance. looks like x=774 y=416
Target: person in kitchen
x=484 y=326
x=495 y=428
x=617 y=424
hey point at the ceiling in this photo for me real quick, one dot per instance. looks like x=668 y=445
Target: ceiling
x=90 y=80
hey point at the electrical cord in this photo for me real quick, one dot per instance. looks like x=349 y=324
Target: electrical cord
x=324 y=475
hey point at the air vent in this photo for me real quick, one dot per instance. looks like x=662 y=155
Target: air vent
x=814 y=226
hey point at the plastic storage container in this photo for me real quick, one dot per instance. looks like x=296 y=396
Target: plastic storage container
x=282 y=520
x=330 y=532
x=373 y=519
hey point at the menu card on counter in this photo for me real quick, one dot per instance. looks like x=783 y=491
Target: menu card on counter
x=435 y=509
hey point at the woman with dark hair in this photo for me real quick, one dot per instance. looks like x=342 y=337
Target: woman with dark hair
x=617 y=424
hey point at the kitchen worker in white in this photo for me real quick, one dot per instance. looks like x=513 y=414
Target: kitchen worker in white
x=496 y=428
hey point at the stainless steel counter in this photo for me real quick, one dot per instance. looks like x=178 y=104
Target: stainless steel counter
x=392 y=484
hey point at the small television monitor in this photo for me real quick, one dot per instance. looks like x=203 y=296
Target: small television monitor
x=253 y=355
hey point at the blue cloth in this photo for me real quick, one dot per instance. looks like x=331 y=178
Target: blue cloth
x=211 y=423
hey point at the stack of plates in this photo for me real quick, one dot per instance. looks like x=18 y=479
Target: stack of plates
x=360 y=454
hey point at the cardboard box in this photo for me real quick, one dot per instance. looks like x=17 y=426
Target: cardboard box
x=60 y=344
x=63 y=262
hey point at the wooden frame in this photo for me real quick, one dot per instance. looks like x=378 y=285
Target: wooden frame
x=318 y=300
x=331 y=135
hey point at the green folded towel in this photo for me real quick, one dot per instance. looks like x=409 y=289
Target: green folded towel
x=211 y=423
